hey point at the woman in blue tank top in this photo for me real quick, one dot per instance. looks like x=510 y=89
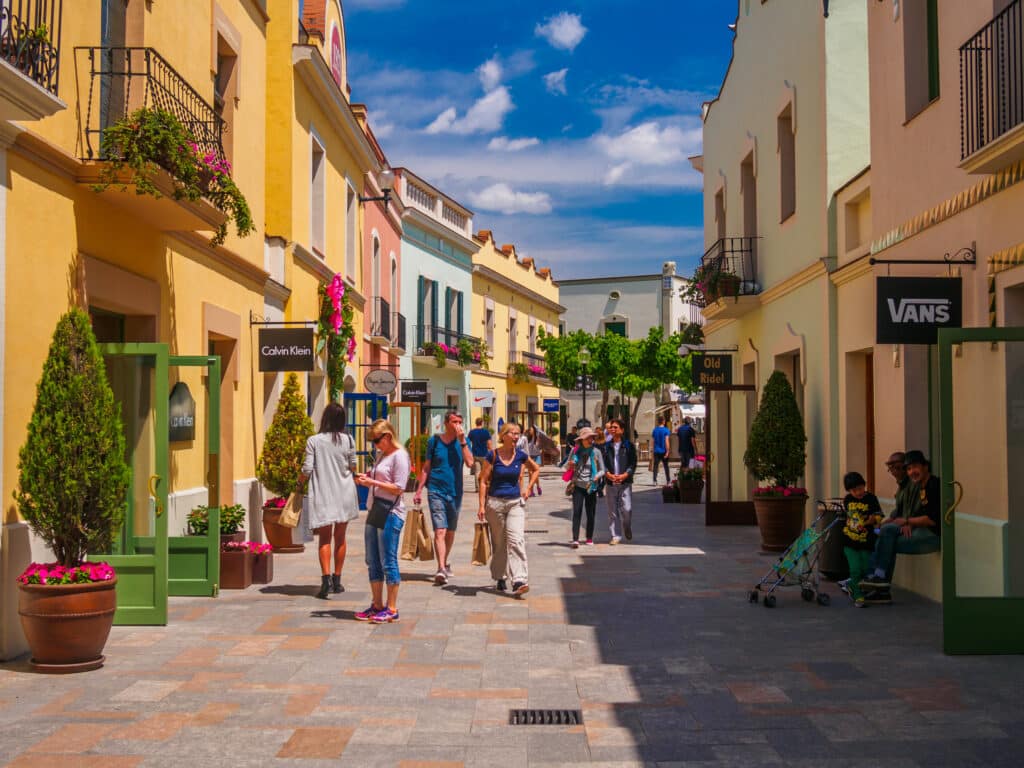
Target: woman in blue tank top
x=503 y=506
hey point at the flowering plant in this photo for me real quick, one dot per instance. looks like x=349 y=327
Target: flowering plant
x=277 y=502
x=335 y=333
x=537 y=370
x=253 y=547
x=55 y=573
x=687 y=475
x=440 y=351
x=779 y=491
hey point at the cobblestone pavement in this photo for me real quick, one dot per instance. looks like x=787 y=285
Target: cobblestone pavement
x=654 y=641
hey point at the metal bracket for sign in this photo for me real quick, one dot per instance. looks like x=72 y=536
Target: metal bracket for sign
x=966 y=256
x=255 y=319
x=379 y=365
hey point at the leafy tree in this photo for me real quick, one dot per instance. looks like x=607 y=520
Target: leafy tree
x=658 y=365
x=561 y=356
x=72 y=473
x=776 y=448
x=283 y=448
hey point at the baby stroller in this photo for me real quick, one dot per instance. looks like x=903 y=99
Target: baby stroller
x=799 y=563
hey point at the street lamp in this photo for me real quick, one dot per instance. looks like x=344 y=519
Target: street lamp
x=584 y=358
x=386 y=182
x=685 y=350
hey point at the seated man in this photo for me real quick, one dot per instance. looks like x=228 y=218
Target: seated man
x=917 y=533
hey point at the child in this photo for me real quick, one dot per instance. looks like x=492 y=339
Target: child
x=863 y=513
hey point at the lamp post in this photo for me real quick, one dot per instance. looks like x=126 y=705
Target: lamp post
x=584 y=358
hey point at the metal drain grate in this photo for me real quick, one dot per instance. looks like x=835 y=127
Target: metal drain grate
x=536 y=530
x=545 y=717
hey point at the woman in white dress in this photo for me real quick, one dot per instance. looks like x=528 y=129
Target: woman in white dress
x=333 y=502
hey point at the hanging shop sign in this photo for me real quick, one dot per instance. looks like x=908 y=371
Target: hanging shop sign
x=413 y=392
x=910 y=310
x=712 y=370
x=380 y=381
x=286 y=349
x=550 y=405
x=481 y=398
x=181 y=412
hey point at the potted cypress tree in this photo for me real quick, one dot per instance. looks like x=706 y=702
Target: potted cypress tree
x=281 y=461
x=776 y=452
x=72 y=484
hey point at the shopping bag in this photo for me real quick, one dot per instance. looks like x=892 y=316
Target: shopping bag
x=424 y=540
x=410 y=535
x=481 y=544
x=291 y=511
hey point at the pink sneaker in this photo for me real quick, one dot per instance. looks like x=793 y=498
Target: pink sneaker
x=387 y=616
x=590 y=542
x=368 y=614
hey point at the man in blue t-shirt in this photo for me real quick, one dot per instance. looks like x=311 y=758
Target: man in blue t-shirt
x=442 y=477
x=480 y=444
x=659 y=448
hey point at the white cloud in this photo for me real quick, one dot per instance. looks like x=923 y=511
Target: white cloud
x=503 y=199
x=564 y=31
x=616 y=172
x=485 y=116
x=651 y=144
x=505 y=144
x=555 y=81
x=490 y=73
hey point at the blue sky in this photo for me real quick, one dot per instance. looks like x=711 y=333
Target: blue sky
x=564 y=126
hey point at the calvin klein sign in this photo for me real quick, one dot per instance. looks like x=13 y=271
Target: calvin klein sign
x=286 y=349
x=181 y=414
x=910 y=310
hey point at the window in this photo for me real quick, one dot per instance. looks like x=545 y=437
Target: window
x=393 y=295
x=720 y=212
x=351 y=227
x=748 y=189
x=920 y=54
x=489 y=327
x=617 y=327
x=426 y=311
x=375 y=268
x=225 y=91
x=512 y=332
x=533 y=337
x=787 y=164
x=317 y=195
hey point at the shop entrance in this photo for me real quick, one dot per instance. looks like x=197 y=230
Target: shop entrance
x=728 y=488
x=981 y=391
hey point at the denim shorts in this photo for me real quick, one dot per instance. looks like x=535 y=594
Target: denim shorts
x=444 y=511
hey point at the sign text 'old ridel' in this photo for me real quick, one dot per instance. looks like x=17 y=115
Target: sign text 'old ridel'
x=286 y=349
x=910 y=310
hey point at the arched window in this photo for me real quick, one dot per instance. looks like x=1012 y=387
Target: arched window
x=394 y=282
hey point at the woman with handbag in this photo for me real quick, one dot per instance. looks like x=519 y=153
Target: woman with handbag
x=384 y=521
x=503 y=506
x=587 y=468
x=333 y=502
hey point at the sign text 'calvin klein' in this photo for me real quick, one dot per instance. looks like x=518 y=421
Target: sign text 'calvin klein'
x=286 y=349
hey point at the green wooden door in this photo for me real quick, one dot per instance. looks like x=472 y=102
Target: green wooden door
x=138 y=377
x=981 y=457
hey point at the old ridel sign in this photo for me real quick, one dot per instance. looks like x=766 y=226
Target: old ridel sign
x=286 y=349
x=910 y=310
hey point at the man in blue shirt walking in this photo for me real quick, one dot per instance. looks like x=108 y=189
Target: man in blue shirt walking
x=480 y=444
x=659 y=448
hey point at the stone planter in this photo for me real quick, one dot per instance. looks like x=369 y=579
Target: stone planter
x=279 y=536
x=263 y=568
x=781 y=520
x=67 y=625
x=690 y=491
x=235 y=569
x=669 y=493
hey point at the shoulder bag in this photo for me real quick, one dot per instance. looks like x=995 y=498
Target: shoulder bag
x=377 y=515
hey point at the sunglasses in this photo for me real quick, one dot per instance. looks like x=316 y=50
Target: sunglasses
x=378 y=439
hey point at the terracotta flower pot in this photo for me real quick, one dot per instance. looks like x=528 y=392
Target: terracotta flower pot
x=67 y=625
x=235 y=569
x=263 y=568
x=279 y=536
x=690 y=491
x=236 y=536
x=781 y=520
x=669 y=493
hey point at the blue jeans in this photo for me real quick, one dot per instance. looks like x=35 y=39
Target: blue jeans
x=661 y=458
x=382 y=550
x=891 y=542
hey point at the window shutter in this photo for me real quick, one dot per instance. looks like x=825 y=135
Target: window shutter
x=458 y=309
x=433 y=308
x=421 y=298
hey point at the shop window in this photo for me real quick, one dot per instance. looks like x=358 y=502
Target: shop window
x=787 y=164
x=920 y=54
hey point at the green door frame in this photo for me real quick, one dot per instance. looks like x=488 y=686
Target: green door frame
x=970 y=624
x=142 y=574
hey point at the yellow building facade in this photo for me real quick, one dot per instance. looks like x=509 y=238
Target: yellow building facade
x=512 y=301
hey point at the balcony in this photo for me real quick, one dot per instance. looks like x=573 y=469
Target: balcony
x=442 y=346
x=398 y=332
x=115 y=82
x=992 y=93
x=729 y=272
x=380 y=323
x=524 y=366
x=30 y=58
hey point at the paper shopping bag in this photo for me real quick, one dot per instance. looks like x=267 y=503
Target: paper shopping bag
x=481 y=544
x=291 y=511
x=424 y=540
x=410 y=535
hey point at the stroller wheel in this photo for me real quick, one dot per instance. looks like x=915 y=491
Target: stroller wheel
x=754 y=595
x=823 y=599
x=769 y=601
x=807 y=594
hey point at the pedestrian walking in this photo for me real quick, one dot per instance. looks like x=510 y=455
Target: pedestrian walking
x=386 y=481
x=587 y=468
x=687 y=442
x=503 y=506
x=479 y=439
x=659 y=449
x=533 y=450
x=620 y=466
x=333 y=502
x=863 y=515
x=441 y=475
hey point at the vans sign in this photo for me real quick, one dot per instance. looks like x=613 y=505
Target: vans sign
x=910 y=310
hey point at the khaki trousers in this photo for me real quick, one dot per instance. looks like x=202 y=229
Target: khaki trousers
x=507 y=518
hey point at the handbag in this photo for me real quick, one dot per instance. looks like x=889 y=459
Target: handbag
x=377 y=515
x=481 y=544
x=291 y=511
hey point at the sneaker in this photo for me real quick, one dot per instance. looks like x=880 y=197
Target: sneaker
x=520 y=588
x=448 y=571
x=629 y=532
x=440 y=578
x=369 y=613
x=615 y=540
x=844 y=585
x=387 y=616
x=859 y=602
x=590 y=542
x=878 y=597
x=501 y=586
x=874 y=582
x=575 y=544
x=540 y=491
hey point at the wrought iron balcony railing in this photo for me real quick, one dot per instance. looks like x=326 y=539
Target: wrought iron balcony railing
x=535 y=364
x=380 y=325
x=122 y=80
x=992 y=80
x=729 y=268
x=437 y=335
x=398 y=330
x=30 y=38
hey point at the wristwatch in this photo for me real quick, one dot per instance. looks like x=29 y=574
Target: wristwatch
x=464 y=444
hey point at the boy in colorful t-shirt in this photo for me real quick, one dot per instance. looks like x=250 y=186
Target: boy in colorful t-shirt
x=863 y=514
